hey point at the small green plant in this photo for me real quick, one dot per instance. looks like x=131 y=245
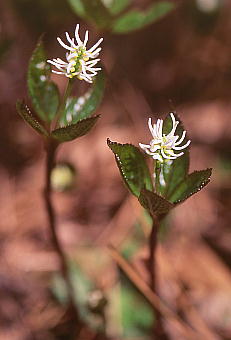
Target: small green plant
x=170 y=185
x=60 y=119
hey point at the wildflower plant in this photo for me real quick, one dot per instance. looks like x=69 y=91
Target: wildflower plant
x=60 y=119
x=169 y=184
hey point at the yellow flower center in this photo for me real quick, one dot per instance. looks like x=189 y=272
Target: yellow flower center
x=80 y=54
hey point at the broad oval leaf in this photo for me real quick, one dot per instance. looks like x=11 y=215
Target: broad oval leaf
x=132 y=166
x=191 y=185
x=43 y=92
x=83 y=107
x=26 y=114
x=155 y=204
x=73 y=131
x=170 y=173
x=134 y=20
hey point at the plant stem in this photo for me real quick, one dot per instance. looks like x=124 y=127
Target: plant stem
x=152 y=254
x=51 y=147
x=158 y=330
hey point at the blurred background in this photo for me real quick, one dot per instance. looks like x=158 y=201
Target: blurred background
x=180 y=62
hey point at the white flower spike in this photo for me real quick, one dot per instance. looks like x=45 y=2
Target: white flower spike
x=80 y=62
x=163 y=146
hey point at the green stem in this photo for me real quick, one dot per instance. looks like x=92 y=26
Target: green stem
x=63 y=101
x=157 y=170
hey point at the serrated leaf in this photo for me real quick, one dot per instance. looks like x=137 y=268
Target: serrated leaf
x=155 y=204
x=132 y=166
x=43 y=92
x=171 y=172
x=85 y=106
x=26 y=114
x=97 y=12
x=78 y=7
x=73 y=131
x=191 y=185
x=134 y=20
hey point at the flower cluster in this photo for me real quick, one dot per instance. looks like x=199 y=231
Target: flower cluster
x=80 y=62
x=163 y=146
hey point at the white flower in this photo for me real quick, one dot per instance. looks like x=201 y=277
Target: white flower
x=80 y=62
x=163 y=146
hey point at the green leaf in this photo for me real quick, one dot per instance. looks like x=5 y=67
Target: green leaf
x=118 y=6
x=85 y=106
x=155 y=204
x=97 y=12
x=78 y=7
x=73 y=131
x=135 y=20
x=170 y=173
x=191 y=185
x=43 y=92
x=132 y=166
x=26 y=114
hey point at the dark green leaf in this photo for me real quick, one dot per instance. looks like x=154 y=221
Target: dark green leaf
x=73 y=131
x=43 y=92
x=25 y=113
x=97 y=12
x=134 y=20
x=69 y=111
x=155 y=204
x=78 y=7
x=170 y=173
x=191 y=185
x=85 y=106
x=132 y=166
